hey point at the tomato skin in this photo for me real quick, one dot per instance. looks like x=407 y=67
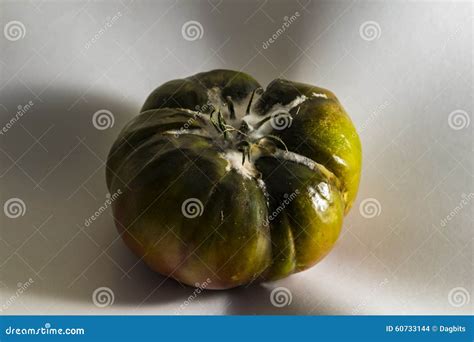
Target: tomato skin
x=320 y=130
x=262 y=218
x=306 y=230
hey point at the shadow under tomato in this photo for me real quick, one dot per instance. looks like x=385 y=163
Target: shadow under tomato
x=52 y=158
x=259 y=299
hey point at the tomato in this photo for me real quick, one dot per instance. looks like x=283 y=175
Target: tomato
x=226 y=183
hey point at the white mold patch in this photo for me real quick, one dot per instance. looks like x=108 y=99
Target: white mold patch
x=234 y=161
x=324 y=96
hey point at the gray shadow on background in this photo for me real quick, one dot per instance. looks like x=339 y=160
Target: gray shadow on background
x=242 y=27
x=50 y=198
x=255 y=300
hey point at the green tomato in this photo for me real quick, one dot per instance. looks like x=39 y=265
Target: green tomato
x=223 y=183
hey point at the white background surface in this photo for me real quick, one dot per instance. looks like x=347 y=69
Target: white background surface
x=399 y=88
